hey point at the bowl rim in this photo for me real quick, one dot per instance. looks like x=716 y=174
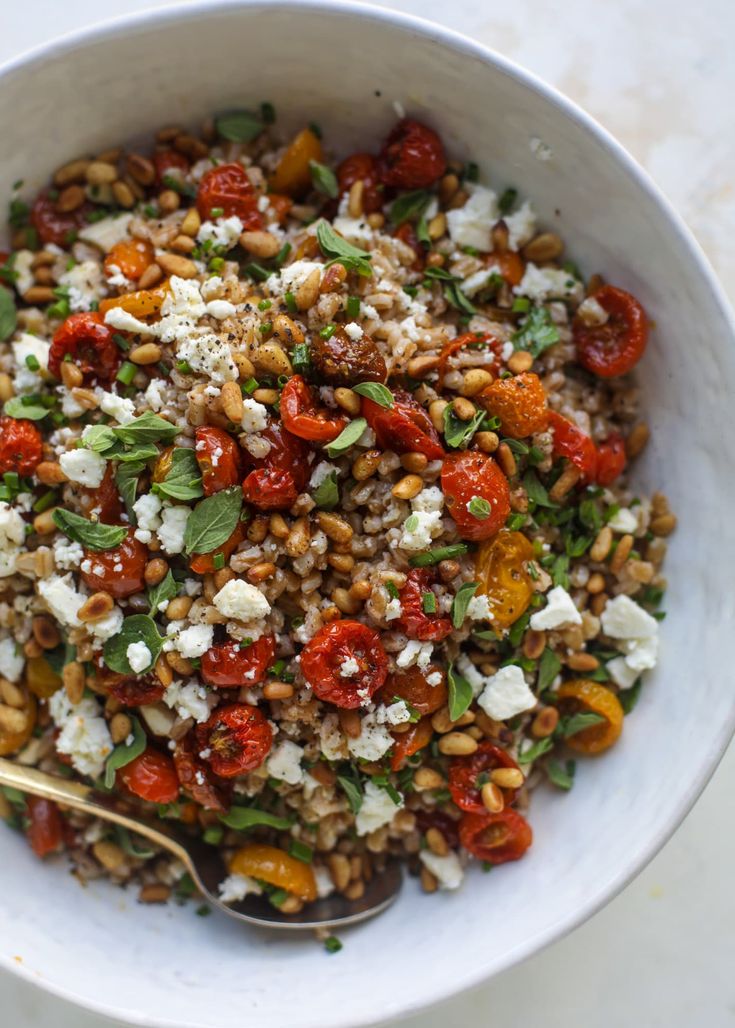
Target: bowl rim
x=433 y=991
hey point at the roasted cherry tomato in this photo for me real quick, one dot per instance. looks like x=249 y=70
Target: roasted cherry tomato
x=14 y=738
x=467 y=775
x=238 y=738
x=218 y=457
x=204 y=563
x=574 y=444
x=281 y=205
x=477 y=340
x=301 y=416
x=405 y=427
x=342 y=361
x=509 y=264
x=412 y=686
x=293 y=172
x=21 y=446
x=519 y=402
x=144 y=304
x=103 y=502
x=362 y=167
x=41 y=678
x=616 y=347
x=279 y=477
x=131 y=257
x=228 y=664
x=495 y=838
x=228 y=188
x=276 y=867
x=45 y=828
x=413 y=620
x=52 y=225
x=169 y=162
x=86 y=340
x=412 y=156
x=151 y=776
x=407 y=743
x=611 y=459
x=197 y=779
x=137 y=692
x=118 y=571
x=407 y=234
x=328 y=663
x=501 y=569
x=426 y=819
x=584 y=696
x=468 y=476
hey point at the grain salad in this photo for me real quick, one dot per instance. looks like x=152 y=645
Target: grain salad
x=316 y=533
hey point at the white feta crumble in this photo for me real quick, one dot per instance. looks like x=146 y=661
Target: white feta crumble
x=506 y=694
x=548 y=283
x=12 y=537
x=521 y=225
x=241 y=601
x=331 y=740
x=84 y=735
x=393 y=609
x=637 y=632
x=447 y=869
x=24 y=277
x=478 y=609
x=221 y=309
x=254 y=416
x=393 y=714
x=429 y=501
x=61 y=598
x=154 y=393
x=104 y=628
x=559 y=610
x=419 y=529
x=83 y=466
x=435 y=678
x=139 y=657
x=12 y=660
x=24 y=379
x=291 y=277
x=373 y=741
x=349 y=667
x=236 y=887
x=147 y=508
x=210 y=356
x=324 y=883
x=173 y=527
x=472 y=224
x=623 y=521
x=84 y=283
x=284 y=763
x=476 y=282
x=354 y=331
x=377 y=809
x=415 y=652
x=117 y=407
x=189 y=700
x=321 y=472
x=106 y=232
x=195 y=640
x=222 y=232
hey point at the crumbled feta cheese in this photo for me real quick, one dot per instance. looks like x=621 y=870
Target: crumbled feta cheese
x=115 y=277
x=591 y=312
x=26 y=345
x=83 y=466
x=241 y=601
x=236 y=887
x=139 y=657
x=12 y=660
x=349 y=667
x=377 y=809
x=354 y=331
x=61 y=598
x=354 y=230
x=195 y=640
x=429 y=501
x=393 y=609
x=471 y=224
x=154 y=393
x=84 y=735
x=473 y=284
x=622 y=673
x=254 y=416
x=84 y=283
x=332 y=742
x=24 y=277
x=12 y=537
x=478 y=609
x=284 y=763
x=189 y=700
x=117 y=407
x=506 y=694
x=210 y=356
x=104 y=628
x=291 y=277
x=324 y=883
x=394 y=714
x=69 y=406
x=541 y=284
x=221 y=309
x=106 y=232
x=521 y=226
x=624 y=521
x=625 y=620
x=321 y=472
x=419 y=529
x=222 y=232
x=171 y=532
x=415 y=652
x=67 y=553
x=447 y=869
x=435 y=678
x=147 y=508
x=559 y=610
x=373 y=741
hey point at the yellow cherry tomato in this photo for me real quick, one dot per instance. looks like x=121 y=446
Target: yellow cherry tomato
x=163 y=464
x=500 y=567
x=584 y=696
x=143 y=304
x=16 y=726
x=277 y=868
x=293 y=175
x=41 y=678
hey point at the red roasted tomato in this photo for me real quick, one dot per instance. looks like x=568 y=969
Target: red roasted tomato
x=52 y=225
x=470 y=475
x=21 y=446
x=88 y=341
x=362 y=167
x=411 y=685
x=118 y=572
x=104 y=501
x=218 y=457
x=574 y=444
x=426 y=819
x=616 y=347
x=204 y=563
x=228 y=188
x=45 y=828
x=407 y=234
x=496 y=838
x=196 y=777
x=467 y=775
x=237 y=737
x=405 y=427
x=412 y=156
x=611 y=459
x=407 y=743
x=228 y=664
x=167 y=161
x=138 y=691
x=301 y=416
x=413 y=620
x=324 y=656
x=151 y=776
x=279 y=477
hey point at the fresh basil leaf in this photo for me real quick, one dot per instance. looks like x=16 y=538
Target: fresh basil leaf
x=537 y=333
x=148 y=428
x=125 y=752
x=423 y=560
x=99 y=438
x=578 y=723
x=339 y=251
x=135 y=454
x=454 y=296
x=326 y=494
x=16 y=408
x=422 y=232
x=239 y=126
x=136 y=628
x=323 y=179
x=629 y=697
x=458 y=433
x=91 y=534
x=536 y=491
x=183 y=480
x=8 y=314
x=126 y=480
x=561 y=775
x=460 y=693
x=440 y=274
x=375 y=391
x=213 y=521
x=242 y=818
x=127 y=845
x=479 y=508
x=352 y=791
x=409 y=206
x=548 y=668
x=347 y=437
x=461 y=602
x=167 y=589
x=537 y=750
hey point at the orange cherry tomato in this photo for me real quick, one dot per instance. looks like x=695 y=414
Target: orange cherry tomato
x=611 y=459
x=13 y=738
x=362 y=167
x=616 y=347
x=519 y=402
x=204 y=563
x=588 y=696
x=413 y=620
x=323 y=657
x=45 y=828
x=281 y=205
x=509 y=263
x=237 y=737
x=144 y=304
x=54 y=226
x=301 y=416
x=412 y=156
x=118 y=571
x=197 y=779
x=495 y=838
x=151 y=776
x=293 y=174
x=574 y=444
x=275 y=866
x=85 y=339
x=218 y=457
x=500 y=567
x=467 y=775
x=41 y=678
x=412 y=686
x=21 y=446
x=227 y=188
x=131 y=257
x=468 y=476
x=407 y=743
x=228 y=664
x=405 y=427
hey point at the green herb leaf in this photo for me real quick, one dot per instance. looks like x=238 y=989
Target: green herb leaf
x=561 y=775
x=239 y=126
x=629 y=697
x=148 y=428
x=479 y=508
x=461 y=602
x=578 y=723
x=375 y=391
x=301 y=851
x=454 y=295
x=326 y=494
x=339 y=251
x=91 y=534
x=507 y=200
x=323 y=179
x=537 y=333
x=167 y=589
x=213 y=521
x=428 y=603
x=242 y=818
x=457 y=433
x=301 y=358
x=127 y=845
x=409 y=206
x=125 y=752
x=136 y=628
x=423 y=560
x=16 y=408
x=183 y=480
x=460 y=693
x=352 y=791
x=8 y=314
x=347 y=437
x=126 y=479
x=536 y=491
x=537 y=750
x=411 y=523
x=548 y=668
x=332 y=944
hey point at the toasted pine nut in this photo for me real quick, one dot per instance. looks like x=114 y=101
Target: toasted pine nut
x=140 y=169
x=39 y=294
x=427 y=778
x=534 y=644
x=566 y=481
x=277 y=690
x=475 y=380
x=663 y=525
x=408 y=487
x=546 y=246
x=520 y=361
x=343 y=562
x=181 y=665
x=347 y=400
x=349 y=722
x=150 y=277
x=436 y=413
x=120 y=727
x=419 y=367
x=123 y=194
x=155 y=571
x=183 y=244
x=266 y=396
x=286 y=329
x=156 y=893
x=436 y=842
x=109 y=854
x=50 y=473
x=339 y=869
x=86 y=398
x=74 y=171
x=260 y=243
x=448 y=570
x=278 y=526
x=272 y=358
x=487 y=441
x=457 y=744
x=414 y=462
x=74 y=679
x=507 y=777
x=437 y=226
x=361 y=589
x=354 y=200
x=178 y=608
x=45 y=632
x=637 y=439
x=343 y=599
x=191 y=223
x=463 y=408
x=448 y=187
x=232 y=402
x=545 y=722
x=429 y=882
x=366 y=465
x=334 y=526
x=6 y=386
x=146 y=353
x=621 y=554
x=595 y=583
x=12 y=694
x=298 y=540
x=173 y=264
x=70 y=199
x=164 y=674
x=97 y=606
x=506 y=460
x=44 y=523
x=582 y=662
x=307 y=293
x=492 y=797
x=332 y=279
x=100 y=173
x=169 y=201
x=601 y=546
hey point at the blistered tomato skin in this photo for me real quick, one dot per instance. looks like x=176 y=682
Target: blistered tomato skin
x=470 y=475
x=151 y=776
x=275 y=866
x=130 y=257
x=218 y=457
x=519 y=402
x=138 y=691
x=197 y=779
x=119 y=571
x=228 y=188
x=169 y=162
x=412 y=157
x=413 y=620
x=301 y=416
x=228 y=664
x=495 y=838
x=405 y=427
x=465 y=773
x=407 y=743
x=52 y=225
x=362 y=167
x=501 y=567
x=45 y=828
x=293 y=173
x=342 y=361
x=323 y=659
x=574 y=444
x=278 y=478
x=21 y=446
x=614 y=348
x=412 y=686
x=237 y=737
x=611 y=459
x=583 y=695
x=104 y=502
x=88 y=342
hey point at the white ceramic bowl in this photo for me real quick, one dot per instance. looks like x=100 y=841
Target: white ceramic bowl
x=343 y=66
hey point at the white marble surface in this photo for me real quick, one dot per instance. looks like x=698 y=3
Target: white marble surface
x=661 y=76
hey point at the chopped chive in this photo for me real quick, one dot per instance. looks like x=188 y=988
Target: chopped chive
x=278 y=897
x=213 y=835
x=257 y=271
x=121 y=342
x=291 y=303
x=301 y=851
x=216 y=212
x=127 y=372
x=216 y=264
x=184 y=367
x=428 y=602
x=328 y=332
x=422 y=560
x=264 y=305
x=44 y=502
x=218 y=561
x=392 y=589
x=332 y=944
x=353 y=306
x=266 y=327
x=32 y=363
x=249 y=386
